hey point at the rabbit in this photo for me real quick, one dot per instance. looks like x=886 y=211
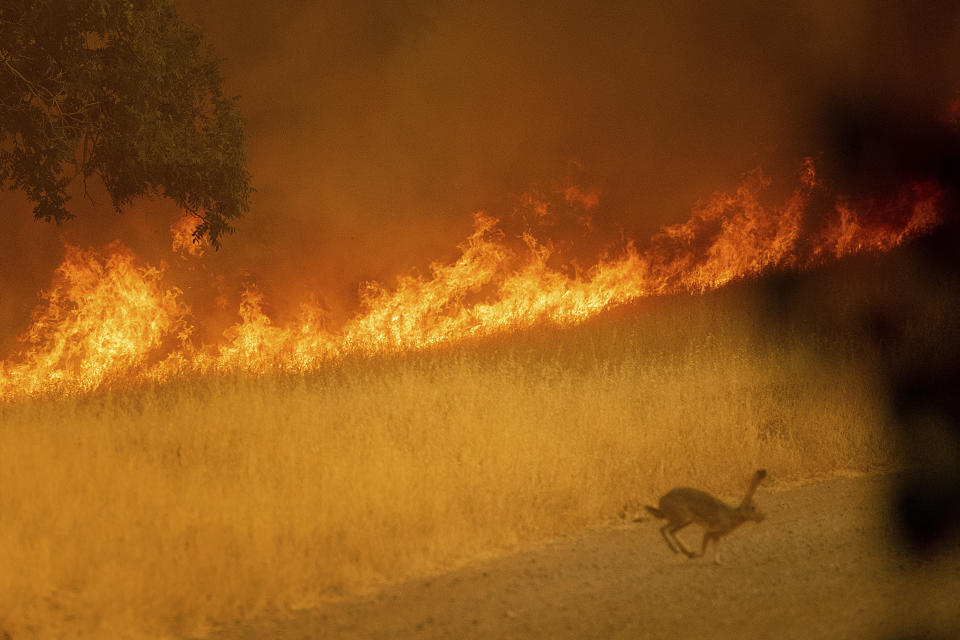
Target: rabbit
x=683 y=506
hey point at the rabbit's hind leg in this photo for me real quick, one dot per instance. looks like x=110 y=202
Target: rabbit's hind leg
x=669 y=530
x=707 y=537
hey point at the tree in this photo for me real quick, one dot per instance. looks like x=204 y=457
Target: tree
x=123 y=90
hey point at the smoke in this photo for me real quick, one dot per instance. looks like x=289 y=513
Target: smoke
x=376 y=129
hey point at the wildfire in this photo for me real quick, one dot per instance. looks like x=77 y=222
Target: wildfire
x=181 y=233
x=108 y=318
x=102 y=318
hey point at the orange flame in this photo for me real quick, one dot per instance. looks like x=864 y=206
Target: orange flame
x=106 y=317
x=101 y=319
x=848 y=233
x=184 y=241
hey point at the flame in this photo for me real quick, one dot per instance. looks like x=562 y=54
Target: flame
x=107 y=319
x=589 y=199
x=184 y=241
x=918 y=210
x=101 y=319
x=730 y=237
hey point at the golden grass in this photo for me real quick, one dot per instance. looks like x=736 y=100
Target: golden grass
x=153 y=512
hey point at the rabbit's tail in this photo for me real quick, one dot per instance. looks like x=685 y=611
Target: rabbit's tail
x=656 y=513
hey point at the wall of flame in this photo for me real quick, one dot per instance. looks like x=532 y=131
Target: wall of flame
x=374 y=129
x=108 y=318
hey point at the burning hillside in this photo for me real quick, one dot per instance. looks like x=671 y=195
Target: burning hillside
x=107 y=318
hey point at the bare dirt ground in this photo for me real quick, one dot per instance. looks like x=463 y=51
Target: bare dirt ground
x=824 y=564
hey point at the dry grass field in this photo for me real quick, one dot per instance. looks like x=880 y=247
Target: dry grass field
x=155 y=512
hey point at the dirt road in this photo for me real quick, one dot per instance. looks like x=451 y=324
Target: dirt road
x=824 y=564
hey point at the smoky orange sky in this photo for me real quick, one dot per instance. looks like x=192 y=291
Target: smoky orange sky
x=376 y=129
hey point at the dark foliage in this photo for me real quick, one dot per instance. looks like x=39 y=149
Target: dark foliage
x=120 y=89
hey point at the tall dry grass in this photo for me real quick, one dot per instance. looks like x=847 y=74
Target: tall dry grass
x=154 y=512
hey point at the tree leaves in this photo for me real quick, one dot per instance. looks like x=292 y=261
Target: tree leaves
x=121 y=89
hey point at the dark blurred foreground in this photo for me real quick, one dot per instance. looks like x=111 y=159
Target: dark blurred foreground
x=910 y=323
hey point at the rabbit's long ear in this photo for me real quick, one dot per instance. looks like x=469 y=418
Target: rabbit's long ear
x=755 y=482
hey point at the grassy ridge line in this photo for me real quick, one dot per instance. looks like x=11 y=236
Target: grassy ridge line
x=153 y=511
